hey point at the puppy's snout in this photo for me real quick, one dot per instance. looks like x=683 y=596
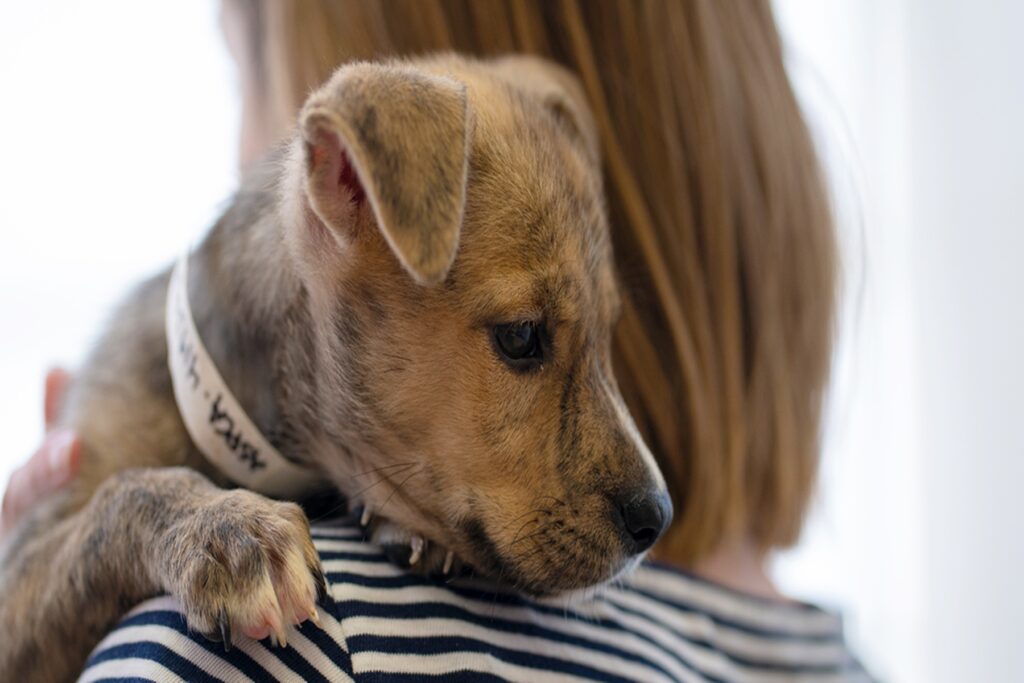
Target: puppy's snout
x=641 y=517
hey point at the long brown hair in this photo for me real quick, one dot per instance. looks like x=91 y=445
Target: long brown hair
x=722 y=229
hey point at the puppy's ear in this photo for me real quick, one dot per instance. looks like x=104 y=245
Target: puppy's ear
x=399 y=139
x=561 y=93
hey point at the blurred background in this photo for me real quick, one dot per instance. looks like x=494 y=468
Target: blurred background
x=917 y=106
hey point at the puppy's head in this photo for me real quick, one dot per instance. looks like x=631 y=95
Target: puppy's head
x=448 y=223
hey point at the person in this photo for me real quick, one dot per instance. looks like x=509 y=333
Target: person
x=52 y=466
x=727 y=258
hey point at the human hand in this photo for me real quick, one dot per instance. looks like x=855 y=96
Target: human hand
x=50 y=468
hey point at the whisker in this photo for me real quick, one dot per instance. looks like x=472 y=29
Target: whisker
x=330 y=512
x=535 y=520
x=397 y=487
x=383 y=479
x=539 y=511
x=533 y=535
x=408 y=463
x=395 y=356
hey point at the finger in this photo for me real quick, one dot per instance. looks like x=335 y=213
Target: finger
x=9 y=504
x=49 y=469
x=14 y=495
x=57 y=380
x=64 y=455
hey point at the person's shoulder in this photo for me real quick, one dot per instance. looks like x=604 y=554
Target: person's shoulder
x=656 y=624
x=384 y=622
x=750 y=634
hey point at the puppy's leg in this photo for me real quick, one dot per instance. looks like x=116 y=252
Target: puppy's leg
x=238 y=562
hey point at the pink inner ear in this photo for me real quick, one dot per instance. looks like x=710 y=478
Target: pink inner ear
x=332 y=169
x=348 y=179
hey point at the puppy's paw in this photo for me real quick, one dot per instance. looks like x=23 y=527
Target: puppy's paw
x=245 y=564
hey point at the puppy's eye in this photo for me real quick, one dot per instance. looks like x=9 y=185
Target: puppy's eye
x=518 y=344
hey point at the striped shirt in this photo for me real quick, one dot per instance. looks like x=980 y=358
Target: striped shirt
x=387 y=624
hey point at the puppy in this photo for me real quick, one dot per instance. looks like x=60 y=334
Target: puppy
x=412 y=301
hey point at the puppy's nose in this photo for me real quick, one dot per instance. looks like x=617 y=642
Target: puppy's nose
x=641 y=518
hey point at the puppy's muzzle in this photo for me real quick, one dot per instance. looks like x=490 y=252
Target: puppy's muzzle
x=640 y=517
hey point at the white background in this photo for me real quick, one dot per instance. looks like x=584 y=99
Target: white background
x=118 y=131
x=919 y=532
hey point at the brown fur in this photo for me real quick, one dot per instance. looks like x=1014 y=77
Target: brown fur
x=720 y=219
x=354 y=324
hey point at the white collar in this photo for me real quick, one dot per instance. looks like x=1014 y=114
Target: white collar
x=218 y=425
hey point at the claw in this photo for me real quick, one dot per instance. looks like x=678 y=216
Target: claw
x=225 y=630
x=311 y=614
x=449 y=559
x=366 y=516
x=321 y=585
x=416 y=549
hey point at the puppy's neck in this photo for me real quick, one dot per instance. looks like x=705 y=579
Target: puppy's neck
x=248 y=307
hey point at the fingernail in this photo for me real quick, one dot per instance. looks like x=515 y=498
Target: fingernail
x=61 y=445
x=416 y=548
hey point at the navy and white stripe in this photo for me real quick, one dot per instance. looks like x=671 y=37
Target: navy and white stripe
x=386 y=624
